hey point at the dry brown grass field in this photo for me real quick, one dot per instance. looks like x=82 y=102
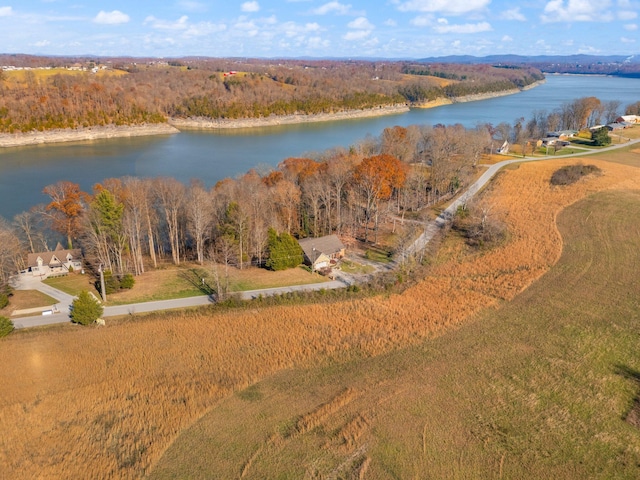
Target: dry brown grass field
x=107 y=402
x=538 y=388
x=21 y=299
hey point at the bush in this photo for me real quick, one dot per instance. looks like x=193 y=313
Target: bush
x=127 y=281
x=4 y=300
x=85 y=309
x=5 y=293
x=601 y=137
x=572 y=173
x=6 y=326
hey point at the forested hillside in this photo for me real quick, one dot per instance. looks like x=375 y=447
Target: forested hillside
x=126 y=92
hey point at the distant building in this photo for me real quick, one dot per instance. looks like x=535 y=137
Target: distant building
x=634 y=119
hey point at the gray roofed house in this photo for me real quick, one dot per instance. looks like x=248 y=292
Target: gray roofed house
x=57 y=262
x=319 y=252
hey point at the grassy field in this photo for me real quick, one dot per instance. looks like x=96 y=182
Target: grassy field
x=21 y=299
x=19 y=77
x=73 y=283
x=538 y=388
x=108 y=402
x=186 y=281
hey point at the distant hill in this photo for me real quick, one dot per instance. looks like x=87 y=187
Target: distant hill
x=563 y=59
x=617 y=65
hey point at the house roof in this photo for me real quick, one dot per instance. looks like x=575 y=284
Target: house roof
x=48 y=257
x=328 y=245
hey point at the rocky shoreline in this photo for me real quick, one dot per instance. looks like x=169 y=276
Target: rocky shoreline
x=274 y=120
x=438 y=102
x=82 y=134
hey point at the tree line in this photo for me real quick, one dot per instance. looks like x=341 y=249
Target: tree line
x=151 y=92
x=131 y=224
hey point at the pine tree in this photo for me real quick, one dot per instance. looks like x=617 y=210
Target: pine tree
x=85 y=309
x=284 y=251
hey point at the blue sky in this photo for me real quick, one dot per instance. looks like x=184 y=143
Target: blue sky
x=335 y=28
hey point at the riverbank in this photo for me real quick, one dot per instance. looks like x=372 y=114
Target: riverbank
x=83 y=134
x=274 y=120
x=439 y=102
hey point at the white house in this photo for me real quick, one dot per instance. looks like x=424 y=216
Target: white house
x=58 y=262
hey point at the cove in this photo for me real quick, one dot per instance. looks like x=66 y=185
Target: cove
x=210 y=156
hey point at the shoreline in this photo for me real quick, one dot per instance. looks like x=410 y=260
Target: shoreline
x=173 y=126
x=275 y=120
x=439 y=102
x=8 y=140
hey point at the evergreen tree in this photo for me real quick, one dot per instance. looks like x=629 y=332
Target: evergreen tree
x=284 y=251
x=601 y=137
x=85 y=309
x=6 y=326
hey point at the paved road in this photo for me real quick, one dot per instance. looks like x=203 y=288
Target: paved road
x=131 y=309
x=431 y=229
x=434 y=226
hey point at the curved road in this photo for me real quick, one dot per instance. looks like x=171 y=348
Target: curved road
x=431 y=229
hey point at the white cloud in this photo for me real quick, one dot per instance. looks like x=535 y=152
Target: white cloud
x=506 y=38
x=111 y=18
x=422 y=21
x=42 y=43
x=631 y=27
x=333 y=7
x=444 y=27
x=204 y=28
x=391 y=23
x=192 y=6
x=513 y=14
x=452 y=7
x=180 y=24
x=627 y=15
x=250 y=7
x=6 y=11
x=292 y=29
x=357 y=34
x=577 y=11
x=360 y=23
x=627 y=40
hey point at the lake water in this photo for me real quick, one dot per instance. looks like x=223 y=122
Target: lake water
x=212 y=156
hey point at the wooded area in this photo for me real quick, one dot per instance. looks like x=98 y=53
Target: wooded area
x=130 y=224
x=152 y=92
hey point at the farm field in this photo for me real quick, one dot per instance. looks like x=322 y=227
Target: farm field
x=108 y=402
x=538 y=388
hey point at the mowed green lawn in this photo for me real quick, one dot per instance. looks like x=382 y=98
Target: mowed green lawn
x=538 y=388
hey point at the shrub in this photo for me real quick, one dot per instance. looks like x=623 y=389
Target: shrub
x=127 y=281
x=4 y=300
x=572 y=173
x=85 y=309
x=6 y=326
x=5 y=293
x=601 y=137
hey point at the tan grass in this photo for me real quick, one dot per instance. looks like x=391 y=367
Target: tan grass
x=21 y=299
x=107 y=402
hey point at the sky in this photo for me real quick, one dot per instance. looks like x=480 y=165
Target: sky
x=306 y=28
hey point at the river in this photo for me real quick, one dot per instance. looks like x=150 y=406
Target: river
x=211 y=156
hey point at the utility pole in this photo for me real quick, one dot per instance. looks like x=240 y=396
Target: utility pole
x=103 y=291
